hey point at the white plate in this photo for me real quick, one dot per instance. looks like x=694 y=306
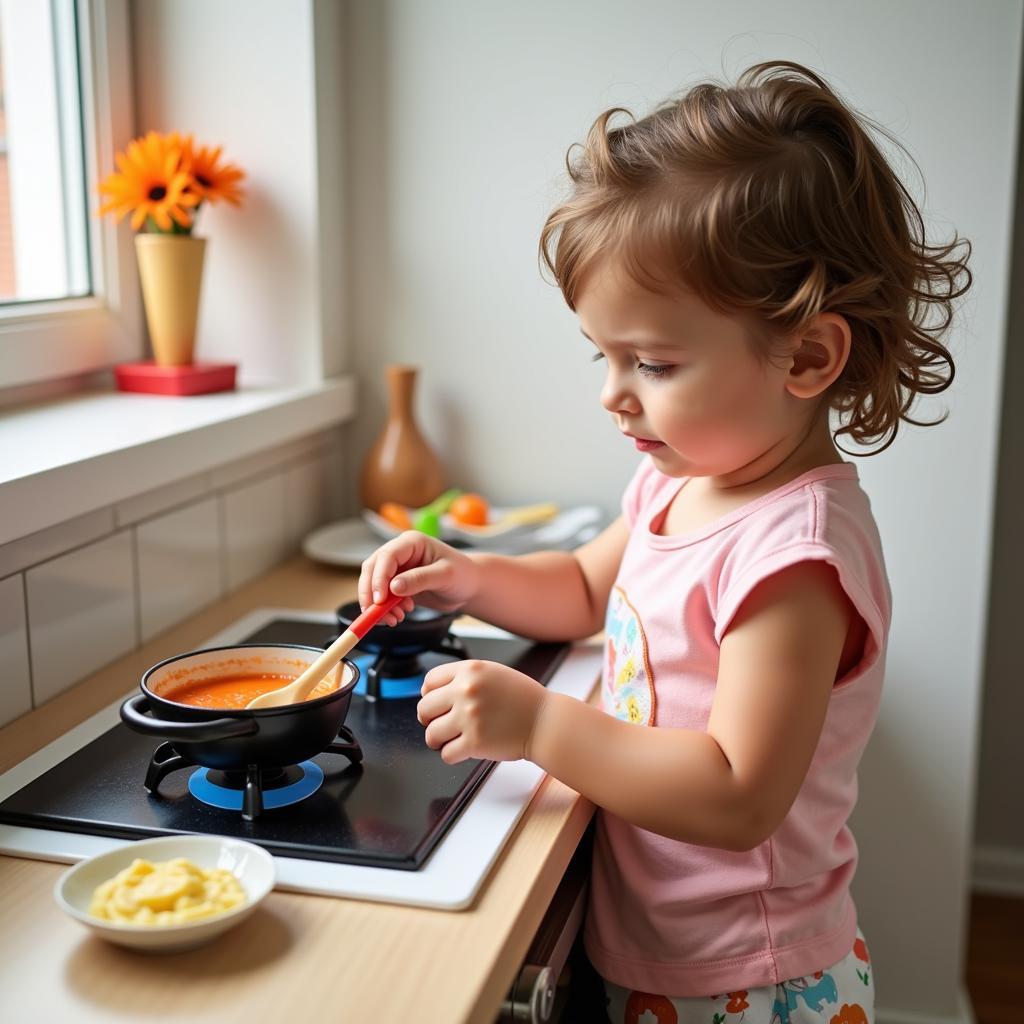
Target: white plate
x=556 y=531
x=452 y=529
x=351 y=541
x=250 y=864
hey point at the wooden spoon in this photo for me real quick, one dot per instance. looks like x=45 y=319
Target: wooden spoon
x=301 y=687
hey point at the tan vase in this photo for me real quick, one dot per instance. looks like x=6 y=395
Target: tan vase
x=171 y=272
x=400 y=465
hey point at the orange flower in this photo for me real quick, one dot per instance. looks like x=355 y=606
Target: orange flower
x=210 y=179
x=850 y=1015
x=860 y=950
x=151 y=183
x=737 y=1002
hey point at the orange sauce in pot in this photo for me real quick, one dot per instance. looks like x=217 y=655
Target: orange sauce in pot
x=234 y=692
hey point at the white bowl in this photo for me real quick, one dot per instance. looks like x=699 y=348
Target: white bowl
x=250 y=864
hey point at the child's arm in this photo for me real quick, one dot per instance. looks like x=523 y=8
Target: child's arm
x=550 y=595
x=729 y=787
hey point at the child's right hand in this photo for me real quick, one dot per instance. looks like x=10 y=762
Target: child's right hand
x=415 y=565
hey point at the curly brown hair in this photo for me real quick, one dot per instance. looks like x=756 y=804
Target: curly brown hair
x=769 y=199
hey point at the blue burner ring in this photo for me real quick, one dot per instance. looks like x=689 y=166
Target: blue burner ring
x=409 y=686
x=203 y=789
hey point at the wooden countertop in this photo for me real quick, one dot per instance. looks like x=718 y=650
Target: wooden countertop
x=299 y=957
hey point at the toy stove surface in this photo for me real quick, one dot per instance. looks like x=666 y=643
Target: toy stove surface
x=400 y=825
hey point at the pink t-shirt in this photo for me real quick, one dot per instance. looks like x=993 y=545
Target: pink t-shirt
x=673 y=918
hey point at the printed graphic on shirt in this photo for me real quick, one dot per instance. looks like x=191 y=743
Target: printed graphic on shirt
x=628 y=683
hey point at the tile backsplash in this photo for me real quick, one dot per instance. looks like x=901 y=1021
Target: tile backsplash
x=254 y=524
x=15 y=681
x=179 y=565
x=80 y=594
x=81 y=613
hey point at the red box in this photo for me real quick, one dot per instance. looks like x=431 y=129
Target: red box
x=194 y=379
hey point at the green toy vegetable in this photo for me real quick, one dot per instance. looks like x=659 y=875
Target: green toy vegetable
x=428 y=519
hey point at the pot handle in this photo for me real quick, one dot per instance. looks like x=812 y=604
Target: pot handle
x=216 y=729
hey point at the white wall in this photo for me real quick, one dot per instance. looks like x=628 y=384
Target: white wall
x=240 y=73
x=999 y=831
x=460 y=116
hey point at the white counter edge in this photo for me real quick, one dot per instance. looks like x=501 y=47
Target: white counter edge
x=66 y=457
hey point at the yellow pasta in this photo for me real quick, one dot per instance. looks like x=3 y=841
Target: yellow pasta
x=166 y=893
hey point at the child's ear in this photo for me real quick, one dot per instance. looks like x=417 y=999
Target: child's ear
x=820 y=355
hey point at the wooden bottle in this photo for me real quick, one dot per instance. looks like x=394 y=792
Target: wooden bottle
x=400 y=466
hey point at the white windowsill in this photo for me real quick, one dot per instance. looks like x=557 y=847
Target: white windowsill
x=67 y=456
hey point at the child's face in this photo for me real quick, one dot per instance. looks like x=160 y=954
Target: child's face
x=684 y=375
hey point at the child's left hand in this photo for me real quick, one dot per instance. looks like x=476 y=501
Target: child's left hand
x=479 y=709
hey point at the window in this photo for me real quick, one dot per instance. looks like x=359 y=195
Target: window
x=43 y=226
x=68 y=297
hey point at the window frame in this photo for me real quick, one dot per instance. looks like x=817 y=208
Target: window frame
x=41 y=341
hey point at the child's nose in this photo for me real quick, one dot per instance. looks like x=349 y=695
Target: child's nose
x=616 y=396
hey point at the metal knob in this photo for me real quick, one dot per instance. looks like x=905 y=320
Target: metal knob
x=542 y=998
x=533 y=996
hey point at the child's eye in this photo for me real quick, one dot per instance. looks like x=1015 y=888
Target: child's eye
x=647 y=369
x=654 y=369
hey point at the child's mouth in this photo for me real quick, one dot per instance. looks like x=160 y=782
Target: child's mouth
x=644 y=445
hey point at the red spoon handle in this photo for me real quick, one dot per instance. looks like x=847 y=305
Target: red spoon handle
x=373 y=615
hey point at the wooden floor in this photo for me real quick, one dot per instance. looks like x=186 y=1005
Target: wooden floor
x=995 y=959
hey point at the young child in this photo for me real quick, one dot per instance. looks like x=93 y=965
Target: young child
x=747 y=263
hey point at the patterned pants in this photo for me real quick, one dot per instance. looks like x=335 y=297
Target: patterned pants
x=841 y=994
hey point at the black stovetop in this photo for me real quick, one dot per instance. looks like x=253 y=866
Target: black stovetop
x=389 y=811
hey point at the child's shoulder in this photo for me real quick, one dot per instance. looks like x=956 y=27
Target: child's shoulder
x=822 y=515
x=823 y=509
x=823 y=503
